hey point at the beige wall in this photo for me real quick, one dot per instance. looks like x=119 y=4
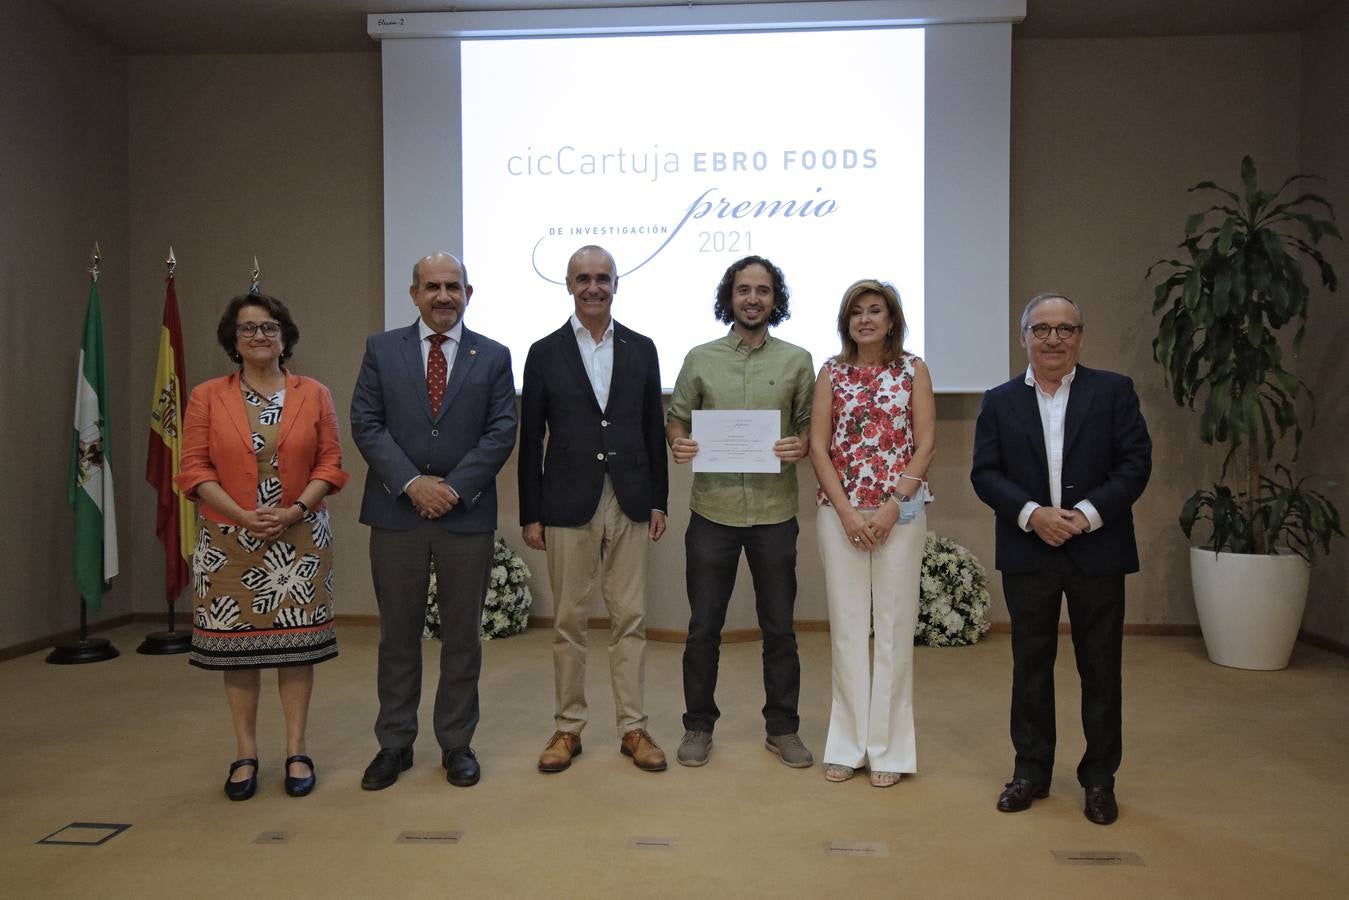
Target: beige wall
x=280 y=156
x=277 y=156
x=1106 y=137
x=1325 y=151
x=63 y=159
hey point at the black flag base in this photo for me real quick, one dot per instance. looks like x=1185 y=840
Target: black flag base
x=87 y=650
x=165 y=643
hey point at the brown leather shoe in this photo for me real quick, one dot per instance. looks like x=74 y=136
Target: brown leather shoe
x=562 y=746
x=646 y=754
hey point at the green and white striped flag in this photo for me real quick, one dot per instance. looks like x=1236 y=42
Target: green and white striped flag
x=89 y=489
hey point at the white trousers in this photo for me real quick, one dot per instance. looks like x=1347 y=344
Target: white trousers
x=871 y=720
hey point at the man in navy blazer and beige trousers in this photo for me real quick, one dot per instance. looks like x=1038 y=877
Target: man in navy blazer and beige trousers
x=433 y=413
x=595 y=499
x=1061 y=453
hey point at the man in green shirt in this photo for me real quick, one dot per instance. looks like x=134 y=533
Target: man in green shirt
x=754 y=513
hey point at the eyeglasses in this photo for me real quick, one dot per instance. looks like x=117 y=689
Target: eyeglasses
x=248 y=329
x=1041 y=331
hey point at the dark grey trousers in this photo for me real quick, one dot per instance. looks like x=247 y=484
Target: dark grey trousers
x=712 y=556
x=400 y=562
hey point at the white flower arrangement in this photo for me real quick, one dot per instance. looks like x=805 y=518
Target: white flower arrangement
x=952 y=595
x=505 y=610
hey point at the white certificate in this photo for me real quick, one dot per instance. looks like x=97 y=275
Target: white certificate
x=736 y=440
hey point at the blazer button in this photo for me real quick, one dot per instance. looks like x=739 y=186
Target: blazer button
x=435 y=432
x=600 y=457
x=604 y=423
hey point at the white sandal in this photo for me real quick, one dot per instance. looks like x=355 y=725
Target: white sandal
x=836 y=773
x=885 y=779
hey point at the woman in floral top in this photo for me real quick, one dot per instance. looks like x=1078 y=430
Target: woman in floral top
x=871 y=439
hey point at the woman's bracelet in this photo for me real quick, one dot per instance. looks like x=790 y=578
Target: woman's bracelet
x=910 y=477
x=300 y=503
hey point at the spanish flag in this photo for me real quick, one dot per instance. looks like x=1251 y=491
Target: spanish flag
x=174 y=518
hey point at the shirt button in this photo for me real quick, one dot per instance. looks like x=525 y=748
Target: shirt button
x=600 y=457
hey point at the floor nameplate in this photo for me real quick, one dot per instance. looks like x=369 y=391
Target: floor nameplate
x=272 y=837
x=857 y=849
x=651 y=843
x=429 y=837
x=1097 y=858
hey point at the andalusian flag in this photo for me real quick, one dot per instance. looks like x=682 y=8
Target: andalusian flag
x=90 y=485
x=174 y=515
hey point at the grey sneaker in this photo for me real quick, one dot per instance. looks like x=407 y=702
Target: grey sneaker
x=695 y=746
x=790 y=749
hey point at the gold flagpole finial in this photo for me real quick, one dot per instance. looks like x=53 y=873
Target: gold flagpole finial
x=94 y=260
x=171 y=262
x=255 y=287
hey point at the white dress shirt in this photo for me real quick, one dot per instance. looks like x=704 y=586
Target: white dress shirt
x=450 y=348
x=597 y=357
x=1053 y=413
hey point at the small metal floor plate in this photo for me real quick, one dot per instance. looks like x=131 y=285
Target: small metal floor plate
x=1097 y=858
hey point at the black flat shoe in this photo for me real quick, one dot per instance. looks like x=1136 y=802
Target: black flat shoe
x=461 y=767
x=1100 y=806
x=1018 y=793
x=385 y=767
x=242 y=790
x=300 y=787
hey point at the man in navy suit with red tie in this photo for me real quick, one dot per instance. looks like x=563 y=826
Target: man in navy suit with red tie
x=433 y=413
x=595 y=498
x=1061 y=454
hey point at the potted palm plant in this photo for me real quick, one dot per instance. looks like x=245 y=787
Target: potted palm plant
x=1227 y=300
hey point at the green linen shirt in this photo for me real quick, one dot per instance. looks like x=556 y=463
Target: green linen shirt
x=726 y=374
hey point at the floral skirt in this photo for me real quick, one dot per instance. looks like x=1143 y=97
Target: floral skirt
x=259 y=603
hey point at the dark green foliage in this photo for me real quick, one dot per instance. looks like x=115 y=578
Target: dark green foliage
x=1286 y=514
x=1223 y=303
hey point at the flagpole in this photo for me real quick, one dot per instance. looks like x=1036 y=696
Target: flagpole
x=172 y=641
x=86 y=649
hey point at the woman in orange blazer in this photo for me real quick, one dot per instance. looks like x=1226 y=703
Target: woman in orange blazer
x=260 y=452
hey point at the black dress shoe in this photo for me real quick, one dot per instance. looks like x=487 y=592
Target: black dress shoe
x=242 y=790
x=1101 y=807
x=300 y=787
x=461 y=767
x=384 y=768
x=1018 y=794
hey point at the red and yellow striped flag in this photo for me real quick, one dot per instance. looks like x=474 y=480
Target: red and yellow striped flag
x=174 y=518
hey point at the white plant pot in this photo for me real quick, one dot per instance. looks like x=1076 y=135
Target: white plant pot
x=1250 y=605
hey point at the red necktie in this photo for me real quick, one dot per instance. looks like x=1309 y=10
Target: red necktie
x=436 y=371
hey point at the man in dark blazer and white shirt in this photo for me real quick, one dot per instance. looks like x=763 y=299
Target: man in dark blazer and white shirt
x=1061 y=453
x=433 y=413
x=595 y=498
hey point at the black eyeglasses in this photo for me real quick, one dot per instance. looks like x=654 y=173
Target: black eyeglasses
x=1041 y=331
x=248 y=329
